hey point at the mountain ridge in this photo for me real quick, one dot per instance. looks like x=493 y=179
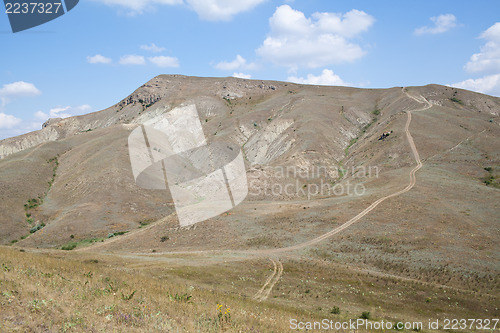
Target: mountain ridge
x=127 y=110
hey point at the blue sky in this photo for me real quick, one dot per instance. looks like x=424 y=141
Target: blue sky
x=102 y=50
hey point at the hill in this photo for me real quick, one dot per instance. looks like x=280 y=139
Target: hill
x=74 y=178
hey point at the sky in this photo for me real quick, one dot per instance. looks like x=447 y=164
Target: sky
x=101 y=51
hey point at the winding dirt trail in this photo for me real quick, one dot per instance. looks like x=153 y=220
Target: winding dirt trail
x=271 y=281
x=374 y=205
x=413 y=181
x=266 y=289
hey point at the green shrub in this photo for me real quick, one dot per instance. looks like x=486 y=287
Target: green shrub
x=128 y=297
x=69 y=246
x=36 y=228
x=335 y=310
x=488 y=180
x=180 y=297
x=365 y=315
x=145 y=222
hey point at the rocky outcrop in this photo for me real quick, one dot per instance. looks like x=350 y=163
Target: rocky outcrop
x=13 y=145
x=51 y=121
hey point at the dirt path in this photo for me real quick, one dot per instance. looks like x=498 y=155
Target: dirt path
x=271 y=281
x=367 y=210
x=266 y=289
x=413 y=181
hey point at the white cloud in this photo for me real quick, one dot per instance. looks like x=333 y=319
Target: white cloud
x=327 y=78
x=8 y=121
x=488 y=60
x=323 y=39
x=39 y=115
x=348 y=25
x=442 y=23
x=19 y=89
x=98 y=59
x=20 y=127
x=68 y=111
x=210 y=10
x=163 y=61
x=492 y=33
x=132 y=59
x=487 y=85
x=242 y=75
x=139 y=6
x=238 y=63
x=221 y=10
x=152 y=48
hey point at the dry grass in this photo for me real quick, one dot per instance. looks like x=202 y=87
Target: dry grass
x=59 y=291
x=40 y=293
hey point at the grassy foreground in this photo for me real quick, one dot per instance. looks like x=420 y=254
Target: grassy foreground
x=66 y=291
x=40 y=293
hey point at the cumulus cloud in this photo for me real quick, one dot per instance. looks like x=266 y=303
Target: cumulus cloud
x=67 y=111
x=19 y=89
x=488 y=60
x=16 y=90
x=221 y=10
x=132 y=59
x=489 y=84
x=326 y=78
x=238 y=63
x=164 y=61
x=321 y=40
x=39 y=115
x=98 y=59
x=8 y=121
x=152 y=48
x=442 y=23
x=210 y=10
x=242 y=75
x=139 y=6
